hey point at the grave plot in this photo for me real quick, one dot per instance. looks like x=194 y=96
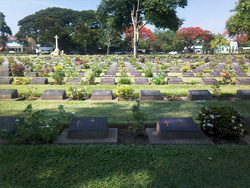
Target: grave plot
x=101 y=95
x=188 y=74
x=71 y=81
x=6 y=80
x=6 y=94
x=39 y=81
x=88 y=130
x=208 y=81
x=175 y=81
x=177 y=131
x=9 y=124
x=141 y=81
x=243 y=94
x=241 y=74
x=81 y=74
x=213 y=74
x=107 y=81
x=5 y=73
x=31 y=74
x=242 y=81
x=150 y=95
x=136 y=74
x=110 y=74
x=199 y=95
x=53 y=95
x=174 y=71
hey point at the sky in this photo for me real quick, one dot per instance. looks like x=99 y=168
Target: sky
x=207 y=14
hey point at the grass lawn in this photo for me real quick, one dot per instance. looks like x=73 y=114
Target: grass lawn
x=125 y=166
x=117 y=112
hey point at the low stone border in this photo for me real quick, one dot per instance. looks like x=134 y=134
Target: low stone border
x=154 y=139
x=111 y=139
x=15 y=99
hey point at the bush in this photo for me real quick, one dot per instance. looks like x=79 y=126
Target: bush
x=125 y=92
x=38 y=129
x=21 y=81
x=124 y=81
x=31 y=94
x=148 y=72
x=216 y=89
x=18 y=69
x=97 y=71
x=140 y=118
x=142 y=59
x=90 y=77
x=159 y=79
x=221 y=121
x=56 y=68
x=78 y=92
x=58 y=76
x=227 y=76
x=185 y=69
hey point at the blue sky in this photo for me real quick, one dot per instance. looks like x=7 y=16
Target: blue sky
x=207 y=14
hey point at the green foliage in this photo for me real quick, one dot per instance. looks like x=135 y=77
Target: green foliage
x=216 y=89
x=221 y=121
x=97 y=70
x=159 y=79
x=125 y=81
x=78 y=92
x=227 y=76
x=90 y=77
x=21 y=81
x=148 y=72
x=18 y=69
x=58 y=76
x=38 y=129
x=31 y=93
x=140 y=118
x=125 y=92
x=71 y=72
x=185 y=69
x=4 y=30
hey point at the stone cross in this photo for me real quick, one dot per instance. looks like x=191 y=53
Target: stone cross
x=56 y=37
x=78 y=122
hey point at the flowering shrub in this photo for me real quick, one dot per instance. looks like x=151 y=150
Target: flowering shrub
x=227 y=76
x=159 y=79
x=221 y=121
x=125 y=92
x=18 y=69
x=185 y=69
x=39 y=129
x=90 y=77
x=148 y=72
x=58 y=76
x=21 y=81
x=56 y=68
x=78 y=92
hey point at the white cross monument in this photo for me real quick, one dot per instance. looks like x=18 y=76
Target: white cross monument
x=57 y=51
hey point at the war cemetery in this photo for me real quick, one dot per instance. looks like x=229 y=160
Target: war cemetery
x=77 y=110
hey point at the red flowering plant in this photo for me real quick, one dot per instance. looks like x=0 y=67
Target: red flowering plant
x=227 y=75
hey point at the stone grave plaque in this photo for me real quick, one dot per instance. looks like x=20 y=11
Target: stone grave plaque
x=101 y=95
x=188 y=74
x=6 y=80
x=214 y=74
x=175 y=81
x=28 y=70
x=154 y=70
x=31 y=74
x=81 y=74
x=135 y=74
x=71 y=81
x=8 y=93
x=110 y=74
x=9 y=123
x=199 y=95
x=39 y=81
x=142 y=81
x=5 y=69
x=247 y=120
x=53 y=95
x=241 y=74
x=174 y=71
x=107 y=81
x=243 y=94
x=239 y=81
x=5 y=73
x=88 y=127
x=208 y=81
x=177 y=128
x=148 y=95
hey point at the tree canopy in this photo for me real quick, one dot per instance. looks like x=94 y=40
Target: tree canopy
x=240 y=21
x=126 y=13
x=4 y=30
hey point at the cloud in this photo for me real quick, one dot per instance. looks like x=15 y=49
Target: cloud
x=45 y=3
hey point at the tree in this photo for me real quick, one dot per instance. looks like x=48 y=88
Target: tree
x=192 y=35
x=4 y=31
x=138 y=13
x=240 y=21
x=219 y=41
x=163 y=41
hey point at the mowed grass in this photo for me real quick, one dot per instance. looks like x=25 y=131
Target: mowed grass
x=125 y=166
x=119 y=112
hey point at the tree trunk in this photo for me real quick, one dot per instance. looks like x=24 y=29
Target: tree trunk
x=135 y=41
x=108 y=50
